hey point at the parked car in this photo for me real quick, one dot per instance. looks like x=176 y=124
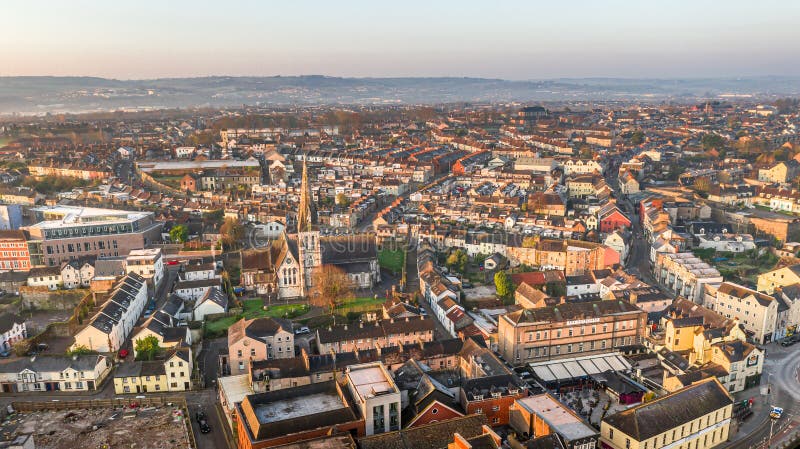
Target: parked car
x=302 y=330
x=123 y=353
x=5 y=354
x=204 y=427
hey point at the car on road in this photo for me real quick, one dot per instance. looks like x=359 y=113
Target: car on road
x=302 y=330
x=776 y=412
x=788 y=341
x=172 y=262
x=202 y=421
x=5 y=354
x=123 y=353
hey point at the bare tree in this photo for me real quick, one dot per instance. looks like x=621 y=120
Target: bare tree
x=330 y=286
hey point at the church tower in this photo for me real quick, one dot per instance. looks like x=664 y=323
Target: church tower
x=307 y=234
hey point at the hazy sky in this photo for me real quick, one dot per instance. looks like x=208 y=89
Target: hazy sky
x=513 y=40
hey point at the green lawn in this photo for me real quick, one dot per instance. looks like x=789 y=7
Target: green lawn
x=391 y=259
x=252 y=308
x=362 y=304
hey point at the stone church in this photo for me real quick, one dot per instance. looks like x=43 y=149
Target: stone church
x=295 y=257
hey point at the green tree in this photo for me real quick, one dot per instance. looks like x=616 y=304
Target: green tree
x=457 y=260
x=147 y=348
x=710 y=141
x=178 y=233
x=80 y=350
x=637 y=137
x=342 y=200
x=503 y=285
x=555 y=289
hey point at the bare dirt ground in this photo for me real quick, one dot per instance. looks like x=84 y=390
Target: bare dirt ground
x=143 y=428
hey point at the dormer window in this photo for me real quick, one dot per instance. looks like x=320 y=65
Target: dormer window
x=496 y=395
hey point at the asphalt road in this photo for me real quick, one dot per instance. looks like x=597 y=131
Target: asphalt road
x=781 y=369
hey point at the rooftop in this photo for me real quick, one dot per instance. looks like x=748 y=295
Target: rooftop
x=557 y=416
x=298 y=406
x=57 y=216
x=370 y=379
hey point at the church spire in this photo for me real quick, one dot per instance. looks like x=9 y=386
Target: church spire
x=305 y=218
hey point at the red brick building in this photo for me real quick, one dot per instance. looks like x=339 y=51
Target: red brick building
x=492 y=396
x=611 y=219
x=290 y=415
x=14 y=254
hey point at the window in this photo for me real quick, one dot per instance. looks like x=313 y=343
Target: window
x=610 y=434
x=496 y=408
x=627 y=443
x=479 y=410
x=434 y=411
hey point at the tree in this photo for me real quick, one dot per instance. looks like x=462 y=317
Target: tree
x=147 y=348
x=330 y=286
x=178 y=233
x=457 y=260
x=710 y=141
x=702 y=184
x=232 y=232
x=723 y=177
x=555 y=289
x=342 y=200
x=503 y=285
x=215 y=216
x=80 y=350
x=637 y=137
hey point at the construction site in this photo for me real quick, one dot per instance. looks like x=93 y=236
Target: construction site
x=129 y=426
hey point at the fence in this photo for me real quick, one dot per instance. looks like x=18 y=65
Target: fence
x=36 y=406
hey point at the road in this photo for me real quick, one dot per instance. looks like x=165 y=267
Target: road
x=781 y=368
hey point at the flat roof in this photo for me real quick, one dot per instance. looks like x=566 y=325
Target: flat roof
x=235 y=388
x=196 y=165
x=296 y=407
x=57 y=216
x=370 y=380
x=557 y=416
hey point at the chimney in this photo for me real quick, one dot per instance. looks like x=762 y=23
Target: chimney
x=361 y=324
x=345 y=327
x=406 y=319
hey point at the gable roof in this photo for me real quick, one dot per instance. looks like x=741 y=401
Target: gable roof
x=673 y=410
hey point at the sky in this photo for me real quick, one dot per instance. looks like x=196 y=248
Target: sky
x=517 y=40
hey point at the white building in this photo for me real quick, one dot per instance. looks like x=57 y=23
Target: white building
x=685 y=275
x=12 y=330
x=110 y=327
x=214 y=301
x=376 y=396
x=54 y=373
x=76 y=275
x=757 y=312
x=147 y=263
x=184 y=152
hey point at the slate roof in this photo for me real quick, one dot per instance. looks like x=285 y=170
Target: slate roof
x=673 y=410
x=430 y=436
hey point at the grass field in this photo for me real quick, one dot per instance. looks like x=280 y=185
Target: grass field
x=362 y=304
x=252 y=308
x=392 y=260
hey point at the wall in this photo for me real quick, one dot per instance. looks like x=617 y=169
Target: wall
x=43 y=299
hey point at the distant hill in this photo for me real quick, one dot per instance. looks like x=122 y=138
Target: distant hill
x=36 y=95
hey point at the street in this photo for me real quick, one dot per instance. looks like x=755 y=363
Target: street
x=781 y=367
